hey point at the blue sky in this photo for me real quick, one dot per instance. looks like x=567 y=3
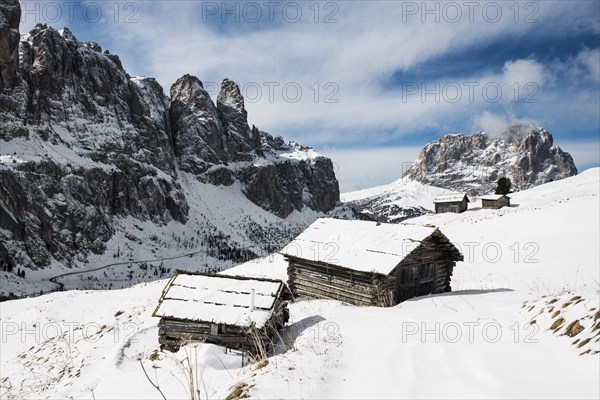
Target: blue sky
x=368 y=80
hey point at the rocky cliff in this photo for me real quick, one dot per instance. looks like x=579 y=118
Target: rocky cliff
x=215 y=143
x=524 y=153
x=10 y=16
x=83 y=144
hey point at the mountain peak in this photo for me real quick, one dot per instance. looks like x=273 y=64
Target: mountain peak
x=523 y=152
x=230 y=104
x=231 y=95
x=96 y=146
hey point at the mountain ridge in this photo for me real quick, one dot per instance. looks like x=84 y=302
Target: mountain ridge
x=524 y=153
x=472 y=164
x=84 y=145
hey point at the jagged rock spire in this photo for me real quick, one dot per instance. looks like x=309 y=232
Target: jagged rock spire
x=230 y=104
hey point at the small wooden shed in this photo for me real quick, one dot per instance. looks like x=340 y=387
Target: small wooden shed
x=368 y=263
x=495 y=201
x=230 y=310
x=453 y=202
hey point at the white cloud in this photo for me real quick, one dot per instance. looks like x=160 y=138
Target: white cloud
x=355 y=54
x=523 y=72
x=494 y=124
x=591 y=60
x=581 y=69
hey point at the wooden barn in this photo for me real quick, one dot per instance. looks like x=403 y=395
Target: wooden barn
x=368 y=263
x=495 y=201
x=230 y=310
x=454 y=202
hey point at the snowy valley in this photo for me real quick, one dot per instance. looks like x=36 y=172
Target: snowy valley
x=490 y=337
x=99 y=168
x=155 y=244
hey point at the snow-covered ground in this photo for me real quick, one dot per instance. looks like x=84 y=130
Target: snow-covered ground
x=396 y=201
x=526 y=267
x=406 y=192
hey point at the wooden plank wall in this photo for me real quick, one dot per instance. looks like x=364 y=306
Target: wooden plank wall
x=314 y=280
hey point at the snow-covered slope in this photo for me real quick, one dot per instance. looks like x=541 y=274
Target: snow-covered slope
x=525 y=268
x=224 y=228
x=395 y=202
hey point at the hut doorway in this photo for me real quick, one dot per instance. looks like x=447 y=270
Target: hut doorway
x=418 y=280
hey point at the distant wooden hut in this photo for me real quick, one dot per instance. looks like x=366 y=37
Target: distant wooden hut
x=368 y=263
x=495 y=201
x=454 y=202
x=230 y=310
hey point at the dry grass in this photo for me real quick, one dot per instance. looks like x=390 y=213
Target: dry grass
x=238 y=391
x=556 y=307
x=557 y=324
x=153 y=356
x=584 y=342
x=574 y=329
x=261 y=364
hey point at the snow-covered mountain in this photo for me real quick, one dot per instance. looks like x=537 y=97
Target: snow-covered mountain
x=93 y=161
x=471 y=164
x=527 y=269
x=523 y=152
x=394 y=202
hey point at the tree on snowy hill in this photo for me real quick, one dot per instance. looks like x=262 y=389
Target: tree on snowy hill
x=504 y=186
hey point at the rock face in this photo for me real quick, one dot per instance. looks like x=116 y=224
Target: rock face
x=84 y=143
x=523 y=153
x=10 y=17
x=216 y=144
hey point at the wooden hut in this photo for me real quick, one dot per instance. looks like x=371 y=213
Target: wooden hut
x=368 y=263
x=495 y=201
x=231 y=310
x=454 y=202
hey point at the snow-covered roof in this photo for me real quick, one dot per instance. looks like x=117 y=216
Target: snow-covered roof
x=447 y=198
x=492 y=197
x=219 y=299
x=359 y=245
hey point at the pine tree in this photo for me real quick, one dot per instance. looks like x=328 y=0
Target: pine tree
x=504 y=186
